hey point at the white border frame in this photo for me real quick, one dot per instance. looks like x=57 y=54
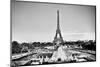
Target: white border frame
x=5 y=32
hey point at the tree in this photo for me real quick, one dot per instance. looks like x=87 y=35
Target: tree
x=16 y=48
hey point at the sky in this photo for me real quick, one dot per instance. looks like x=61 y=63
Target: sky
x=37 y=22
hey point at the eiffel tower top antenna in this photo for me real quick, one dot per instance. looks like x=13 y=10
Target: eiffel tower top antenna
x=57 y=19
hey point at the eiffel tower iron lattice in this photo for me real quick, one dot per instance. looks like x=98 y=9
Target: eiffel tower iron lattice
x=57 y=40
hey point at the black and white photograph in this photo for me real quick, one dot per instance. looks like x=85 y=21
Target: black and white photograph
x=44 y=33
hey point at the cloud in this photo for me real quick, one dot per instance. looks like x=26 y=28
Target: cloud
x=79 y=36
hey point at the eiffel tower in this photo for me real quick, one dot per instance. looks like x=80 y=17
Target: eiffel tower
x=58 y=39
